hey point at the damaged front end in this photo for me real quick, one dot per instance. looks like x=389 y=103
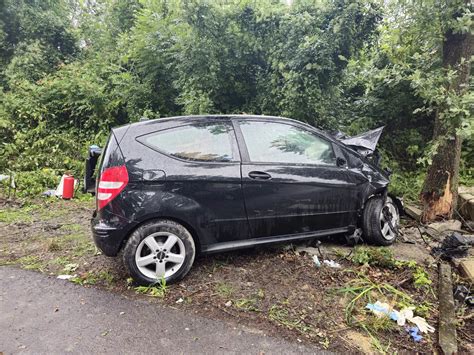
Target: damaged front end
x=379 y=210
x=365 y=143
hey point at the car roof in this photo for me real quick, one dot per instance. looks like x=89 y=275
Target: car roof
x=146 y=124
x=213 y=116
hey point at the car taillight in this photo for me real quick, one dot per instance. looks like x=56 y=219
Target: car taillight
x=112 y=181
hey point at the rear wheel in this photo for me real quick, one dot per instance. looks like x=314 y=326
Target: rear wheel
x=380 y=221
x=159 y=249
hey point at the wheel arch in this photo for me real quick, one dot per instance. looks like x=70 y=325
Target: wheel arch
x=185 y=224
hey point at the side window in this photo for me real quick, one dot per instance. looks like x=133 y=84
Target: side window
x=209 y=142
x=273 y=142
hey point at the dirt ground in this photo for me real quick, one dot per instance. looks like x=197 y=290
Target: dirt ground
x=277 y=290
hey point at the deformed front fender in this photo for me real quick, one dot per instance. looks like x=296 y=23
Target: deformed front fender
x=399 y=203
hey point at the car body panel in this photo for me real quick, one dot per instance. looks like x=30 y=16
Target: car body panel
x=222 y=208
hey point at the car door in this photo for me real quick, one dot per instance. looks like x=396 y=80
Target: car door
x=291 y=181
x=194 y=176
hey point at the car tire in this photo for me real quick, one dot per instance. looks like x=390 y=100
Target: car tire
x=374 y=225
x=157 y=249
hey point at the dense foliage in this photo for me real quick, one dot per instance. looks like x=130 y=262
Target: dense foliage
x=71 y=69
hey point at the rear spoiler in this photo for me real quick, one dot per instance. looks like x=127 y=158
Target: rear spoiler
x=91 y=163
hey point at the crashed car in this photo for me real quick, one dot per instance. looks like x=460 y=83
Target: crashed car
x=169 y=189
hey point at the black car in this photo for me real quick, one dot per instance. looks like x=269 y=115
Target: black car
x=169 y=189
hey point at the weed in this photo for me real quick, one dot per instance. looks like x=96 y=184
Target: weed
x=6 y=262
x=52 y=245
x=376 y=343
x=363 y=290
x=61 y=261
x=106 y=276
x=421 y=278
x=224 y=290
x=30 y=262
x=155 y=290
x=281 y=316
x=247 y=304
x=325 y=343
x=14 y=215
x=379 y=256
x=69 y=268
x=376 y=324
x=89 y=278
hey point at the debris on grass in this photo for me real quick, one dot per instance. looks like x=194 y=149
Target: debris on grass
x=454 y=245
x=381 y=309
x=413 y=331
x=316 y=261
x=66 y=277
x=332 y=263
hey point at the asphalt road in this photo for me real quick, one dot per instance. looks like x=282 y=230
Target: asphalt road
x=41 y=314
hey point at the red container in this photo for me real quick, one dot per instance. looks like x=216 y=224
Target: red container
x=68 y=187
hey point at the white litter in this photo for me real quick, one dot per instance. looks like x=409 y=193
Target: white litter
x=316 y=261
x=65 y=277
x=332 y=263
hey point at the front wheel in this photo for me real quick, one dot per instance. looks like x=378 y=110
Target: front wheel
x=380 y=221
x=159 y=249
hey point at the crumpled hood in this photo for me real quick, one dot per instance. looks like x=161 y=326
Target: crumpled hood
x=367 y=140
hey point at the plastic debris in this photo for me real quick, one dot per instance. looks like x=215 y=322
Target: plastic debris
x=180 y=300
x=454 y=245
x=49 y=193
x=316 y=261
x=65 y=277
x=463 y=294
x=331 y=263
x=422 y=324
x=381 y=309
x=413 y=331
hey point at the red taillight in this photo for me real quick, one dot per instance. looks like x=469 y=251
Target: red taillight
x=112 y=181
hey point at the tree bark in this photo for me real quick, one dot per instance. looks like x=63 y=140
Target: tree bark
x=440 y=189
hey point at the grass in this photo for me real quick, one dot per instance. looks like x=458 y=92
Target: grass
x=374 y=256
x=158 y=289
x=52 y=245
x=224 y=290
x=362 y=290
x=15 y=215
x=281 y=316
x=73 y=227
x=247 y=304
x=30 y=262
x=61 y=261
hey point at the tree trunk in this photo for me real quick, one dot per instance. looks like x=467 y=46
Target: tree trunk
x=440 y=189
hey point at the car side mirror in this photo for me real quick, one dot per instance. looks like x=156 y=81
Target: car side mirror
x=341 y=162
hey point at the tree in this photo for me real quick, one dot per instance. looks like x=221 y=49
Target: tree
x=439 y=194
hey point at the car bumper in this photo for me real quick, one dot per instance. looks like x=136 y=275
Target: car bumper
x=109 y=237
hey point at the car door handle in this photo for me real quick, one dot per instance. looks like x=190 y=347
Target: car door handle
x=259 y=175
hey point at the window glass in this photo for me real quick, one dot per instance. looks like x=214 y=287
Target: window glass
x=197 y=142
x=282 y=143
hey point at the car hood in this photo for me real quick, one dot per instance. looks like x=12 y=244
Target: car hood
x=365 y=141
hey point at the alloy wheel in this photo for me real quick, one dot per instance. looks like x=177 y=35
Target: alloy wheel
x=160 y=255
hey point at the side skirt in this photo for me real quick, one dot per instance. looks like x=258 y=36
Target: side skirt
x=248 y=243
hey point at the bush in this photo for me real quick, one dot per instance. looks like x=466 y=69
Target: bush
x=33 y=183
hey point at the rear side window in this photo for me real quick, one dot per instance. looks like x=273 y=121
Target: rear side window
x=207 y=142
x=273 y=142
